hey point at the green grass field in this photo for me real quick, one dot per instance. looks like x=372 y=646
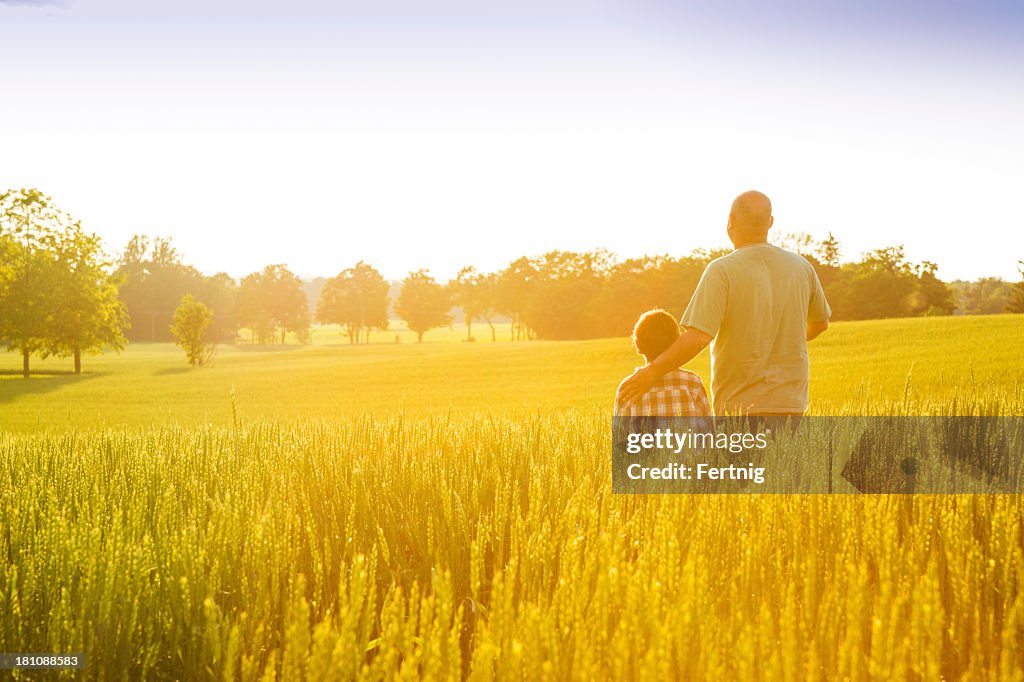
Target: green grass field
x=444 y=511
x=150 y=384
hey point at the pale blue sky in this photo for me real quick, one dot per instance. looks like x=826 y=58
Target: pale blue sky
x=438 y=134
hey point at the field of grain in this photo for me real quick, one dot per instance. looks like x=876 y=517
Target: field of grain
x=464 y=526
x=150 y=385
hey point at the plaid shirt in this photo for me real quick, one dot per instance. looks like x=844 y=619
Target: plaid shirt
x=679 y=393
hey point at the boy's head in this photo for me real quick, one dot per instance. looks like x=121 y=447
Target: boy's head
x=654 y=332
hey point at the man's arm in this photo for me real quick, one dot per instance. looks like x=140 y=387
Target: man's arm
x=815 y=328
x=685 y=348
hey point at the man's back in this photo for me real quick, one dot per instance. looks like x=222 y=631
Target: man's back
x=756 y=302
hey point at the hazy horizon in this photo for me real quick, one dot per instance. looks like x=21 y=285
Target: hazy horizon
x=319 y=134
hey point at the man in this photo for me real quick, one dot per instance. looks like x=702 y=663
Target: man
x=678 y=392
x=761 y=305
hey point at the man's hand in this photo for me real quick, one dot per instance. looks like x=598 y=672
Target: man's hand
x=633 y=388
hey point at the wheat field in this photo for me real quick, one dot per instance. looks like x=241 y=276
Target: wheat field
x=485 y=546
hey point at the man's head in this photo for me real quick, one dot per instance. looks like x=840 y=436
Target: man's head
x=654 y=332
x=750 y=218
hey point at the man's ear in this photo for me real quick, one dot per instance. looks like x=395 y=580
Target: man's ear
x=771 y=221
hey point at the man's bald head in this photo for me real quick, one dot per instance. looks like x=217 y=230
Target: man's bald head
x=750 y=215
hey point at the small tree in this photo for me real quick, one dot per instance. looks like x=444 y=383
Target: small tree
x=423 y=303
x=1016 y=302
x=191 y=321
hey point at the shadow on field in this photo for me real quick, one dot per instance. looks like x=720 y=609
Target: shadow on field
x=168 y=371
x=13 y=385
x=256 y=348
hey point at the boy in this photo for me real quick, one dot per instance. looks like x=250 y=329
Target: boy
x=679 y=392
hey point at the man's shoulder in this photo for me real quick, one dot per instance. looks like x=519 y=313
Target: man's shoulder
x=792 y=257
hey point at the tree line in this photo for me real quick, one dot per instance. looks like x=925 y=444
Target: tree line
x=558 y=295
x=60 y=295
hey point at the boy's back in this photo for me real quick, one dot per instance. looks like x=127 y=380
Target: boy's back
x=679 y=393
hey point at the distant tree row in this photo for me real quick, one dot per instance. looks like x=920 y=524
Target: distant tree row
x=569 y=295
x=559 y=295
x=57 y=293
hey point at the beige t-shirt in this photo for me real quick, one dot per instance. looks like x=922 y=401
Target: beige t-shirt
x=756 y=302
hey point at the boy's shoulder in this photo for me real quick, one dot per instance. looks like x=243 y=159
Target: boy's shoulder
x=685 y=376
x=675 y=377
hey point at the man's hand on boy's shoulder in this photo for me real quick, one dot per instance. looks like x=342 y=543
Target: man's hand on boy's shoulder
x=638 y=383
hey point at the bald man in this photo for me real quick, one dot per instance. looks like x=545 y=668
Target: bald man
x=760 y=305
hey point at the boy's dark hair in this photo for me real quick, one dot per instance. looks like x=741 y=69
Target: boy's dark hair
x=654 y=332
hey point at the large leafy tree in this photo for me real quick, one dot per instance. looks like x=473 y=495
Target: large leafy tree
x=272 y=301
x=88 y=316
x=357 y=299
x=26 y=301
x=423 y=303
x=56 y=293
x=29 y=225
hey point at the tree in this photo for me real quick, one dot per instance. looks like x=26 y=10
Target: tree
x=985 y=296
x=423 y=303
x=26 y=300
x=88 y=316
x=882 y=285
x=514 y=287
x=154 y=279
x=191 y=322
x=29 y=228
x=936 y=297
x=562 y=305
x=468 y=291
x=220 y=294
x=488 y=286
x=272 y=301
x=797 y=242
x=357 y=299
x=1016 y=302
x=829 y=252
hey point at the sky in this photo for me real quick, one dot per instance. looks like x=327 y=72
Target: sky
x=419 y=134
